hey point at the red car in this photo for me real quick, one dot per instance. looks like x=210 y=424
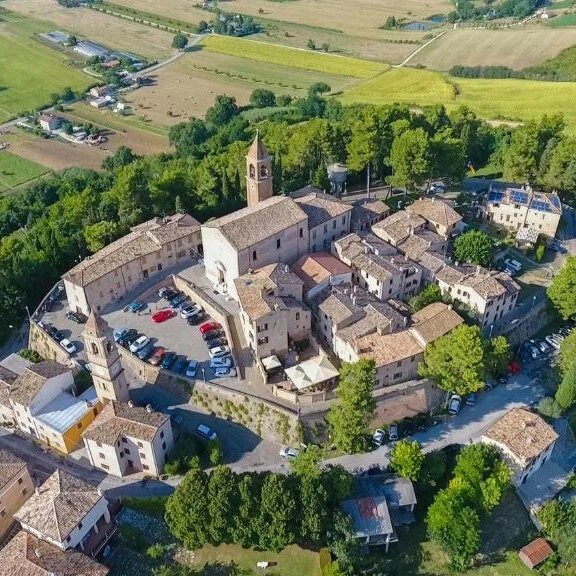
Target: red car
x=209 y=326
x=158 y=356
x=163 y=315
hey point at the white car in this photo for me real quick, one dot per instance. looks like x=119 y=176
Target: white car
x=224 y=372
x=552 y=341
x=223 y=362
x=219 y=351
x=68 y=346
x=378 y=438
x=191 y=369
x=287 y=452
x=206 y=432
x=455 y=404
x=139 y=344
x=190 y=310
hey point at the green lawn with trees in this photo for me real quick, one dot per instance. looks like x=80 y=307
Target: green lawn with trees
x=15 y=171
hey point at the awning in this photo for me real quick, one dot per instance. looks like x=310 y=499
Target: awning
x=311 y=372
x=271 y=362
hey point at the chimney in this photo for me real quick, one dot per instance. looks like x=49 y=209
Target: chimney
x=355 y=289
x=130 y=404
x=405 y=321
x=457 y=263
x=449 y=306
x=392 y=260
x=286 y=268
x=354 y=299
x=149 y=408
x=477 y=270
x=38 y=553
x=366 y=250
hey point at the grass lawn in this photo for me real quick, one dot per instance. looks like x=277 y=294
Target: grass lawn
x=29 y=71
x=294 y=58
x=15 y=171
x=292 y=561
x=564 y=20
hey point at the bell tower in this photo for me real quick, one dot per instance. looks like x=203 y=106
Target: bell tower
x=258 y=173
x=102 y=352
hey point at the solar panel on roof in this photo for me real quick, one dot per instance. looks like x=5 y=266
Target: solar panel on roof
x=555 y=200
x=495 y=196
x=519 y=197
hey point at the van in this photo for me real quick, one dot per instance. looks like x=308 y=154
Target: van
x=205 y=432
x=514 y=264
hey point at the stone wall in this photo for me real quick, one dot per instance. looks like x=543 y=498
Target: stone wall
x=527 y=325
x=46 y=346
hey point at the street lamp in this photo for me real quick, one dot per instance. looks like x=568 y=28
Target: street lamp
x=533 y=302
x=491 y=328
x=204 y=375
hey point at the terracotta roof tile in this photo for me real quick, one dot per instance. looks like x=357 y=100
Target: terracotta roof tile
x=313 y=269
x=436 y=211
x=320 y=208
x=10 y=467
x=26 y=386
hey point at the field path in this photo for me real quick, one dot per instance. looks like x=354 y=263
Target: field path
x=195 y=39
x=410 y=56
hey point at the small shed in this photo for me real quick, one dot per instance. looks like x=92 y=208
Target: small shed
x=533 y=554
x=527 y=237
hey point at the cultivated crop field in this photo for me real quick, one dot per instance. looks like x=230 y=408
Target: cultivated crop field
x=29 y=71
x=15 y=171
x=113 y=32
x=515 y=48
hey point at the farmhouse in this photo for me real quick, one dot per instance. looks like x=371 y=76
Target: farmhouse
x=525 y=441
x=49 y=122
x=440 y=217
x=148 y=249
x=16 y=487
x=516 y=208
x=125 y=439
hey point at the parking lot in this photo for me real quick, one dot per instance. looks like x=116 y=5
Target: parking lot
x=174 y=334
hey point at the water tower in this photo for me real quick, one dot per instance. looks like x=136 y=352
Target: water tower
x=337 y=174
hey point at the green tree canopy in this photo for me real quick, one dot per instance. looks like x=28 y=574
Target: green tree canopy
x=562 y=291
x=566 y=393
x=222 y=111
x=262 y=98
x=456 y=361
x=498 y=356
x=180 y=41
x=567 y=355
x=349 y=419
x=407 y=459
x=410 y=158
x=99 y=235
x=475 y=247
x=428 y=295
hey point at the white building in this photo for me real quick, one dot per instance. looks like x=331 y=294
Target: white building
x=67 y=513
x=525 y=441
x=125 y=439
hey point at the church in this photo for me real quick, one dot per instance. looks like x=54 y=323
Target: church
x=271 y=229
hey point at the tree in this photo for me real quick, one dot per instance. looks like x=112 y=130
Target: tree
x=410 y=158
x=278 y=512
x=475 y=247
x=406 y=459
x=314 y=511
x=498 y=356
x=99 y=235
x=244 y=524
x=202 y=26
x=558 y=520
x=30 y=355
x=222 y=504
x=428 y=295
x=188 y=136
x=434 y=468
x=567 y=355
x=306 y=464
x=561 y=171
x=311 y=44
x=180 y=41
x=222 y=111
x=456 y=361
x=262 y=98
x=318 y=88
x=187 y=510
x=562 y=291
x=550 y=408
x=349 y=419
x=122 y=157
x=566 y=393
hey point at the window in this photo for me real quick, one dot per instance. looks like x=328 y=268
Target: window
x=116 y=271
x=333 y=224
x=102 y=456
x=79 y=525
x=343 y=219
x=129 y=278
x=162 y=434
x=412 y=358
x=142 y=456
x=399 y=363
x=397 y=375
x=24 y=492
x=263 y=340
x=95 y=411
x=145 y=467
x=278 y=244
x=106 y=467
x=159 y=267
x=145 y=273
x=127 y=450
x=314 y=235
x=20 y=480
x=297 y=315
x=301 y=232
x=254 y=256
x=2 y=513
x=325 y=228
x=163 y=445
x=79 y=425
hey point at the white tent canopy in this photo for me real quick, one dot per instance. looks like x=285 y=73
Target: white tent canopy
x=271 y=362
x=311 y=372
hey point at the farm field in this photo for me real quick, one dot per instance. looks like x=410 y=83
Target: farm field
x=514 y=48
x=113 y=32
x=490 y=99
x=29 y=71
x=305 y=59
x=292 y=561
x=54 y=154
x=15 y=171
x=141 y=137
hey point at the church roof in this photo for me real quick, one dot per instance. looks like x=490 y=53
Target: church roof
x=96 y=325
x=257 y=149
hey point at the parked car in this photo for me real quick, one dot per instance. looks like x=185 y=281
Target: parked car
x=218 y=351
x=408 y=427
x=224 y=372
x=128 y=338
x=471 y=400
x=216 y=342
x=209 y=326
x=179 y=365
x=287 y=452
x=68 y=346
x=223 y=362
x=177 y=300
x=190 y=310
x=195 y=319
x=212 y=334
x=168 y=360
x=532 y=350
x=205 y=432
x=77 y=317
x=146 y=351
x=393 y=433
x=157 y=356
x=191 y=369
x=555 y=343
x=119 y=333
x=135 y=306
x=169 y=295
x=163 y=315
x=544 y=347
x=162 y=291
x=514 y=264
x=455 y=404
x=378 y=438
x=139 y=343
x=55 y=333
